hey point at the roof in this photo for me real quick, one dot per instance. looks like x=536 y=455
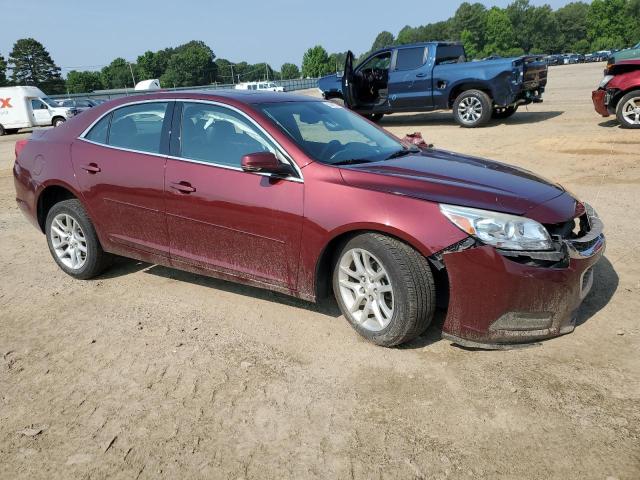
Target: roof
x=249 y=97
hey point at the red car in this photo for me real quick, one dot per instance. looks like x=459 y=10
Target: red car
x=619 y=93
x=304 y=197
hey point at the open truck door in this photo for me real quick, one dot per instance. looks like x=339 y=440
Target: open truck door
x=348 y=88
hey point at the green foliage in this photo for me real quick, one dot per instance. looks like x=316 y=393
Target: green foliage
x=384 y=39
x=3 y=72
x=190 y=64
x=608 y=22
x=82 y=82
x=470 y=44
x=500 y=35
x=31 y=64
x=468 y=25
x=289 y=71
x=572 y=24
x=117 y=74
x=315 y=62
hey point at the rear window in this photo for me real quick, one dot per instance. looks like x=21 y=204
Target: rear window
x=138 y=127
x=410 y=58
x=450 y=54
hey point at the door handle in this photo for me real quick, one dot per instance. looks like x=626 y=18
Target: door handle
x=183 y=187
x=420 y=75
x=91 y=168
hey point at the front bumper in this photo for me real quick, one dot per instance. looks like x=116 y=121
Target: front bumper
x=600 y=100
x=495 y=300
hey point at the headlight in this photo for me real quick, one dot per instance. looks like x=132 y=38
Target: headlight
x=605 y=81
x=500 y=230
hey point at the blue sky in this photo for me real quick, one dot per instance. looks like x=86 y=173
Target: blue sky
x=86 y=34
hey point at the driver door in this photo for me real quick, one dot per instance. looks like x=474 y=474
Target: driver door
x=40 y=112
x=348 y=87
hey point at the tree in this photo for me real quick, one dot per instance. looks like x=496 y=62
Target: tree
x=572 y=25
x=153 y=64
x=117 y=74
x=470 y=46
x=83 y=82
x=192 y=64
x=289 y=70
x=608 y=25
x=31 y=64
x=468 y=25
x=336 y=61
x=3 y=71
x=501 y=38
x=315 y=62
x=384 y=39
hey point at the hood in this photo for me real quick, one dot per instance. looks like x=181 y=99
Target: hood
x=446 y=177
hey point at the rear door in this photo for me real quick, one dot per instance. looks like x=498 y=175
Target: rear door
x=410 y=79
x=220 y=217
x=120 y=165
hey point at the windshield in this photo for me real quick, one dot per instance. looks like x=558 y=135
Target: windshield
x=50 y=102
x=331 y=134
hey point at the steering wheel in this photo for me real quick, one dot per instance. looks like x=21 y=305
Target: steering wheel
x=333 y=147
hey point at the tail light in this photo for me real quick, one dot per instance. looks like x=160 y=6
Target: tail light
x=20 y=144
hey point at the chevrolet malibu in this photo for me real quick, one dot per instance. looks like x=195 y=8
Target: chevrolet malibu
x=304 y=197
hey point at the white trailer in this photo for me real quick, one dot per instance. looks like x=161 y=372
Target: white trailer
x=27 y=107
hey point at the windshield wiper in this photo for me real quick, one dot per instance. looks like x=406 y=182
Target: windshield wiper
x=402 y=153
x=352 y=161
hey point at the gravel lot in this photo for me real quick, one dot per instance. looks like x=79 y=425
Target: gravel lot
x=148 y=372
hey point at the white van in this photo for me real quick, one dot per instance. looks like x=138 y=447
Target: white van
x=262 y=86
x=25 y=107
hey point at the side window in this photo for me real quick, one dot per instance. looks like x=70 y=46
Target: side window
x=38 y=104
x=410 y=58
x=219 y=135
x=381 y=62
x=450 y=54
x=138 y=127
x=100 y=130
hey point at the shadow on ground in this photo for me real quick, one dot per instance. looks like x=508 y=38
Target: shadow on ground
x=446 y=118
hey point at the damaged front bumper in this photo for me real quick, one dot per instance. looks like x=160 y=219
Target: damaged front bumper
x=497 y=298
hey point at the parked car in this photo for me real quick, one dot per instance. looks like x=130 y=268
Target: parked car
x=436 y=76
x=619 y=92
x=302 y=196
x=26 y=107
x=632 y=53
x=80 y=104
x=261 y=86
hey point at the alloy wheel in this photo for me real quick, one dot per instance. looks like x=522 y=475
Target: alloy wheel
x=631 y=111
x=366 y=289
x=68 y=241
x=470 y=109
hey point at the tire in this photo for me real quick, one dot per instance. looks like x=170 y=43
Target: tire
x=2 y=131
x=472 y=109
x=95 y=259
x=11 y=131
x=374 y=117
x=505 y=112
x=58 y=121
x=625 y=112
x=409 y=299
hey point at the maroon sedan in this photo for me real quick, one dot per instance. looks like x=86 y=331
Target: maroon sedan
x=304 y=197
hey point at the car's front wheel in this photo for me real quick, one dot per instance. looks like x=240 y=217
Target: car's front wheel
x=58 y=121
x=384 y=288
x=73 y=242
x=472 y=109
x=628 y=110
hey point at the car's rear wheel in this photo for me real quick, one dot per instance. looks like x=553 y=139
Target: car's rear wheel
x=472 y=108
x=384 y=288
x=374 y=117
x=628 y=110
x=73 y=242
x=58 y=121
x=2 y=130
x=500 y=113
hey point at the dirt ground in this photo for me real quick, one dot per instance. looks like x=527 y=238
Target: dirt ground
x=149 y=373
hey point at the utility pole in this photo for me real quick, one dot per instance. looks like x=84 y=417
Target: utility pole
x=266 y=67
x=132 y=77
x=233 y=79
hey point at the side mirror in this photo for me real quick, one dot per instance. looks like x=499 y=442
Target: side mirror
x=265 y=162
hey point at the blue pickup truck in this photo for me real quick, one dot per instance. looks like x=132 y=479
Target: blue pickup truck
x=436 y=76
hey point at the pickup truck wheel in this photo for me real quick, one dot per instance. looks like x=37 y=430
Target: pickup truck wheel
x=2 y=132
x=58 y=121
x=501 y=113
x=472 y=109
x=628 y=110
x=384 y=288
